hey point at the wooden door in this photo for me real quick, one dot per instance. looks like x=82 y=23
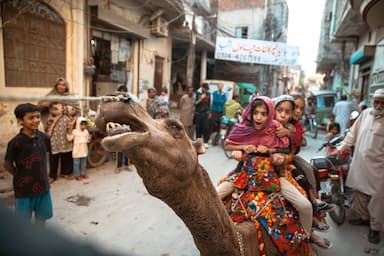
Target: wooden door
x=158 y=81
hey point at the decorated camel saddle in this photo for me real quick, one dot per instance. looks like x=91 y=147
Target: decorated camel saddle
x=167 y=161
x=257 y=198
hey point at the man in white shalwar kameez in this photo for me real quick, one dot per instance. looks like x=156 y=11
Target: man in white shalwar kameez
x=342 y=110
x=366 y=175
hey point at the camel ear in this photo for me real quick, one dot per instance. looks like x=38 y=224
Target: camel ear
x=199 y=146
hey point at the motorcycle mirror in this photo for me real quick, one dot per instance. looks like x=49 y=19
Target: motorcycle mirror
x=336 y=140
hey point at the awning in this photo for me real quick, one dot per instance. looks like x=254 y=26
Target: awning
x=362 y=55
x=107 y=18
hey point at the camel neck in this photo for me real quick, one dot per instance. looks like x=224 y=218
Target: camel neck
x=203 y=212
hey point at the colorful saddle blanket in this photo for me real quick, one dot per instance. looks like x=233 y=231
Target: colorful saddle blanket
x=258 y=199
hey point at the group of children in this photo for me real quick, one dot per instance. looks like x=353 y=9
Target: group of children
x=274 y=128
x=26 y=159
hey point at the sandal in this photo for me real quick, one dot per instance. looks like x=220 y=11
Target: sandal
x=321 y=226
x=322 y=242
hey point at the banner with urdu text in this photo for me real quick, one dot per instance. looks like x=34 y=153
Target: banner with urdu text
x=256 y=51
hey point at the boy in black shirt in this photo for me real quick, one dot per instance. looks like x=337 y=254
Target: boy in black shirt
x=26 y=160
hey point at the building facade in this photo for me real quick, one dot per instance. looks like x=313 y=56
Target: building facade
x=350 y=49
x=97 y=45
x=259 y=20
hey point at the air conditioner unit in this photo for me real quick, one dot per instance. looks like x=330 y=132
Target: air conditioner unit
x=159 y=27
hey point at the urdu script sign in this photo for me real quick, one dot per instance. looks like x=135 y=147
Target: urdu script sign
x=256 y=51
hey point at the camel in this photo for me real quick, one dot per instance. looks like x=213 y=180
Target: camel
x=167 y=161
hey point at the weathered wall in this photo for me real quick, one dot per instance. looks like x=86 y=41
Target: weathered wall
x=73 y=14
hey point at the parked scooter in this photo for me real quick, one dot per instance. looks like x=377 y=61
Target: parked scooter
x=333 y=169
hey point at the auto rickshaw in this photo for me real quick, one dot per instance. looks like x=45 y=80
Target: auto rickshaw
x=323 y=103
x=245 y=91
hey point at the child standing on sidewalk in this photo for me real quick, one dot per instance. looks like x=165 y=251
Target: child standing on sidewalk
x=81 y=138
x=163 y=101
x=26 y=160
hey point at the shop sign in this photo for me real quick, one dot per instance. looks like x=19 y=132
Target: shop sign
x=256 y=51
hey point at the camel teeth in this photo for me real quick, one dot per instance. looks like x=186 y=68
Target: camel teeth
x=112 y=125
x=116 y=128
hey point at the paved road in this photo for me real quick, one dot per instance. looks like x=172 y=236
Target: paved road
x=116 y=212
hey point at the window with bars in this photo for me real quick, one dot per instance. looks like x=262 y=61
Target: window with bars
x=241 y=32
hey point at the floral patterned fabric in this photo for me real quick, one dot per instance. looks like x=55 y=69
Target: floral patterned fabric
x=258 y=199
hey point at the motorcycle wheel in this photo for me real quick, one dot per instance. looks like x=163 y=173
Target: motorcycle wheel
x=337 y=198
x=97 y=155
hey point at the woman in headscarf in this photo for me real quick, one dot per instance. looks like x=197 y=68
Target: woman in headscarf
x=62 y=115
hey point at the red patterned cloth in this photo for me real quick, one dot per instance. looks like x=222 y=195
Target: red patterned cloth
x=259 y=200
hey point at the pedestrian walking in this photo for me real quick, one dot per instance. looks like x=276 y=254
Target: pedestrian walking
x=202 y=106
x=121 y=158
x=26 y=159
x=366 y=175
x=187 y=111
x=61 y=115
x=342 y=110
x=80 y=137
x=219 y=98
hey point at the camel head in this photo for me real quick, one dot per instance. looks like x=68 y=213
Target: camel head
x=166 y=159
x=160 y=149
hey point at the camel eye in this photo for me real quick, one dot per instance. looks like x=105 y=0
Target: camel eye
x=174 y=124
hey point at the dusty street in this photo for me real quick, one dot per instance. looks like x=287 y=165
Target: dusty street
x=116 y=212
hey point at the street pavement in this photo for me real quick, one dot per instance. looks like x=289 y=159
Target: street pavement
x=114 y=211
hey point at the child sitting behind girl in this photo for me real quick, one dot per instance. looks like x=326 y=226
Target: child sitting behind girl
x=334 y=130
x=81 y=138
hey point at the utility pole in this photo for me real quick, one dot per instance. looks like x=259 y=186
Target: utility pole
x=267 y=76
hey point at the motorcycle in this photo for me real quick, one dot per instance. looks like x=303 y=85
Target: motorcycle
x=97 y=154
x=333 y=169
x=226 y=126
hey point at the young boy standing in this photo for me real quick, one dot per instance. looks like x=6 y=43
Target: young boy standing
x=26 y=160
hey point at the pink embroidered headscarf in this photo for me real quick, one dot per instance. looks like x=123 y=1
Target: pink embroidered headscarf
x=245 y=133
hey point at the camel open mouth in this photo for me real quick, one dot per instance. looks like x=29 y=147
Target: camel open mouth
x=132 y=126
x=125 y=136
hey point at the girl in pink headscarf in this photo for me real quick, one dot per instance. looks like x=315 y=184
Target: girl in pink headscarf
x=256 y=134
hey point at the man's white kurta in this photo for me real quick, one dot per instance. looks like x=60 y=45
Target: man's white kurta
x=367 y=170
